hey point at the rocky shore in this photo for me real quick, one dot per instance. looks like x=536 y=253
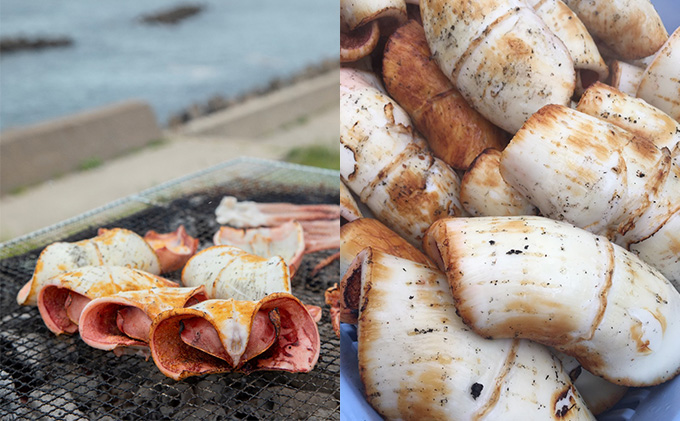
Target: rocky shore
x=218 y=102
x=174 y=15
x=20 y=43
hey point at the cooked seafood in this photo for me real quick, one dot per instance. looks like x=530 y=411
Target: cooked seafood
x=484 y=192
x=602 y=178
x=630 y=113
x=500 y=55
x=631 y=28
x=361 y=24
x=419 y=361
x=349 y=210
x=454 y=131
x=286 y=240
x=121 y=322
x=626 y=77
x=246 y=214
x=659 y=83
x=229 y=272
x=173 y=249
x=217 y=336
x=565 y=24
x=548 y=281
x=63 y=297
x=386 y=163
x=111 y=247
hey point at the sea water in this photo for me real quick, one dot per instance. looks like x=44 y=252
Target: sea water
x=229 y=48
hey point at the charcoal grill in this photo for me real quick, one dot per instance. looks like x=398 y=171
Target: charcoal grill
x=49 y=377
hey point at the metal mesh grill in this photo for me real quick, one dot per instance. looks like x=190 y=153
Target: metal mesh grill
x=49 y=377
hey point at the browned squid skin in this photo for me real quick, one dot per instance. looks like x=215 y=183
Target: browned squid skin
x=173 y=249
x=455 y=132
x=357 y=44
x=355 y=237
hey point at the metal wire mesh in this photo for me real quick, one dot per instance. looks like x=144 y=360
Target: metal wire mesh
x=43 y=376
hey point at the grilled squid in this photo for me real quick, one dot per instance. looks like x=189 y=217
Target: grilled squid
x=361 y=23
x=632 y=114
x=247 y=214
x=626 y=77
x=229 y=272
x=286 y=240
x=484 y=192
x=553 y=283
x=387 y=164
x=660 y=82
x=631 y=28
x=602 y=178
x=500 y=55
x=565 y=24
x=349 y=210
x=455 y=132
x=122 y=322
x=173 y=249
x=111 y=247
x=218 y=336
x=419 y=361
x=62 y=298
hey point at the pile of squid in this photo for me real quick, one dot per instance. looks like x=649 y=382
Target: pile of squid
x=522 y=162
x=234 y=312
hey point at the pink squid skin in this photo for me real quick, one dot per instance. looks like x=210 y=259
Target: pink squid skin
x=279 y=213
x=250 y=239
x=321 y=235
x=282 y=336
x=173 y=249
x=122 y=321
x=59 y=307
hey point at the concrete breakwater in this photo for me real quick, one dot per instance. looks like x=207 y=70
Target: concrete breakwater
x=219 y=103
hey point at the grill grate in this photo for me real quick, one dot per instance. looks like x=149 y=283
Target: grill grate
x=49 y=377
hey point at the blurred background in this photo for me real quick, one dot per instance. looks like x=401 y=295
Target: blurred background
x=102 y=100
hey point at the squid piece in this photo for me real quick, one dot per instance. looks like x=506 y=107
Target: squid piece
x=229 y=272
x=62 y=298
x=563 y=22
x=349 y=210
x=455 y=132
x=332 y=298
x=553 y=283
x=321 y=235
x=419 y=361
x=599 y=177
x=111 y=247
x=359 y=43
x=386 y=163
x=631 y=28
x=173 y=249
x=218 y=336
x=500 y=55
x=599 y=394
x=630 y=113
x=355 y=237
x=122 y=322
x=367 y=232
x=286 y=240
x=245 y=214
x=361 y=24
x=484 y=192
x=659 y=84
x=626 y=77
